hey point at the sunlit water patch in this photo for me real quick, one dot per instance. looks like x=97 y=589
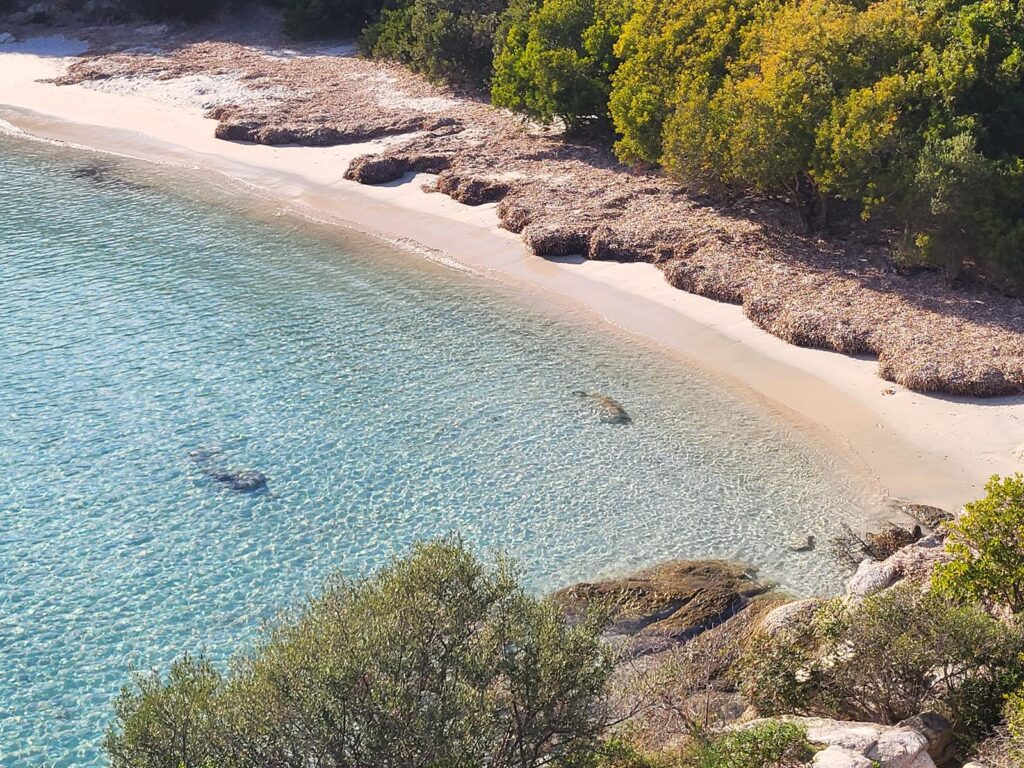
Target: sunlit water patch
x=151 y=344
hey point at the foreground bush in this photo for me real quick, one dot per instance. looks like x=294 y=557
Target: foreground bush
x=443 y=39
x=765 y=745
x=987 y=543
x=436 y=660
x=892 y=656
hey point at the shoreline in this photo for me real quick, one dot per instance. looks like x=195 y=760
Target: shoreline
x=924 y=448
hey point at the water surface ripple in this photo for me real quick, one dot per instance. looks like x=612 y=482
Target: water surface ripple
x=386 y=399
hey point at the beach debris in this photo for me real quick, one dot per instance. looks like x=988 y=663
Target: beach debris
x=804 y=544
x=888 y=391
x=850 y=549
x=378 y=169
x=609 y=410
x=471 y=190
x=556 y=239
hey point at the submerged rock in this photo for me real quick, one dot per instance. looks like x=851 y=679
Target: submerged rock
x=609 y=410
x=203 y=456
x=243 y=480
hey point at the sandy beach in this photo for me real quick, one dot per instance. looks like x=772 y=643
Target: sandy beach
x=929 y=449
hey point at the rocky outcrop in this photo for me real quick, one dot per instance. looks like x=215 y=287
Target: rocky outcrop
x=939 y=733
x=928 y=516
x=791 y=615
x=863 y=745
x=668 y=604
x=915 y=562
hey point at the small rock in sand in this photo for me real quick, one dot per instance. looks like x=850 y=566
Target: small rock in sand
x=806 y=544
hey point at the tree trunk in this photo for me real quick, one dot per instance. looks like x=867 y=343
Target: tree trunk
x=810 y=204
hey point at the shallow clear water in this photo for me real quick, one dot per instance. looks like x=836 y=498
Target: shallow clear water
x=387 y=399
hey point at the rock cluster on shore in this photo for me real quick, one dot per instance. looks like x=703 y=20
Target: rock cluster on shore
x=574 y=198
x=695 y=618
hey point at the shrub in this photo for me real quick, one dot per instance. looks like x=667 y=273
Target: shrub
x=887 y=658
x=321 y=19
x=765 y=745
x=557 y=58
x=987 y=544
x=443 y=39
x=668 y=47
x=436 y=660
x=167 y=724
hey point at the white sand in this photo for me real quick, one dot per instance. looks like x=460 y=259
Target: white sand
x=935 y=450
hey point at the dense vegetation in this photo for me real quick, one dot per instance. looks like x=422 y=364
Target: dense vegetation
x=451 y=39
x=436 y=660
x=440 y=659
x=912 y=109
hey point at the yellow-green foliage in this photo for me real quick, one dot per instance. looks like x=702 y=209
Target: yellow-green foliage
x=668 y=47
x=987 y=543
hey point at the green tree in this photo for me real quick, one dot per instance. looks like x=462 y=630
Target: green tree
x=556 y=60
x=668 y=46
x=436 y=660
x=987 y=544
x=443 y=39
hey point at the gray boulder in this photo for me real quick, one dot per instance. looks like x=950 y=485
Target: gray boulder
x=791 y=616
x=939 y=733
x=859 y=745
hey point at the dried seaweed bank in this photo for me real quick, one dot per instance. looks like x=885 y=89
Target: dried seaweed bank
x=565 y=198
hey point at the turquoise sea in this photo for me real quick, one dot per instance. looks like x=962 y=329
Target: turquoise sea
x=147 y=314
